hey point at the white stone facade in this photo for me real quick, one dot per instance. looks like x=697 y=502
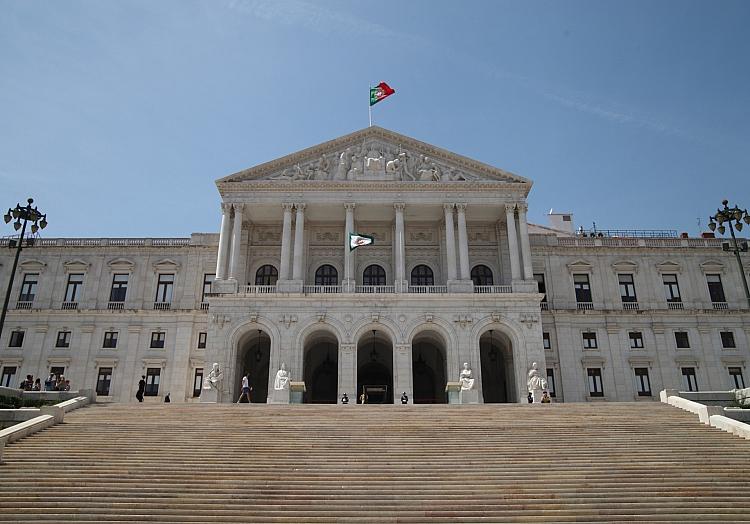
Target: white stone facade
x=287 y=289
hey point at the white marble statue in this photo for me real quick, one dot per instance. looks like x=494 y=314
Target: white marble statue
x=282 y=378
x=466 y=378
x=343 y=165
x=355 y=171
x=428 y=171
x=374 y=161
x=397 y=167
x=214 y=378
x=536 y=383
x=321 y=170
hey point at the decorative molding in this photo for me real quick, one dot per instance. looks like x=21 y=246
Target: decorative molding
x=463 y=320
x=32 y=265
x=121 y=264
x=166 y=264
x=77 y=265
x=580 y=266
x=529 y=319
x=287 y=320
x=625 y=266
x=668 y=266
x=712 y=266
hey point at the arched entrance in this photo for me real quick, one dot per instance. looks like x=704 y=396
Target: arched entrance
x=428 y=368
x=498 y=376
x=375 y=368
x=253 y=357
x=321 y=362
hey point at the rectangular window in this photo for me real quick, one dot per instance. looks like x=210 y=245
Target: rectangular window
x=551 y=382
x=636 y=339
x=202 y=340
x=63 y=339
x=73 y=290
x=737 y=378
x=208 y=279
x=582 y=287
x=541 y=285
x=681 y=339
x=119 y=287
x=589 y=341
x=164 y=287
x=8 y=378
x=715 y=288
x=58 y=371
x=627 y=288
x=28 y=287
x=595 y=382
x=152 y=381
x=546 y=341
x=103 y=381
x=642 y=383
x=689 y=382
x=16 y=339
x=157 y=339
x=727 y=340
x=110 y=340
x=197 y=382
x=671 y=288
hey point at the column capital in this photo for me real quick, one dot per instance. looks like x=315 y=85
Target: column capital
x=287 y=206
x=399 y=206
x=238 y=208
x=510 y=208
x=226 y=207
x=461 y=207
x=448 y=207
x=349 y=206
x=522 y=207
x=300 y=206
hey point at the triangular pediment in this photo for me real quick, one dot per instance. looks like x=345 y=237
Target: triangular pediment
x=373 y=154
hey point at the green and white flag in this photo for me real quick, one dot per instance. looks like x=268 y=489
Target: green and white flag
x=356 y=240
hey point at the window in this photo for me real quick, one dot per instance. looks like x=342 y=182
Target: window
x=595 y=382
x=481 y=276
x=198 y=382
x=627 y=288
x=374 y=275
x=152 y=381
x=8 y=378
x=689 y=382
x=642 y=383
x=202 y=340
x=103 y=380
x=636 y=339
x=326 y=275
x=681 y=339
x=28 y=287
x=546 y=341
x=737 y=378
x=164 y=287
x=63 y=339
x=16 y=339
x=541 y=285
x=58 y=371
x=551 y=382
x=119 y=288
x=727 y=340
x=422 y=275
x=671 y=288
x=582 y=287
x=208 y=279
x=73 y=290
x=715 y=288
x=589 y=340
x=110 y=340
x=266 y=276
x=157 y=339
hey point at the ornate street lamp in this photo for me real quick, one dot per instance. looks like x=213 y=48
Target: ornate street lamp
x=23 y=215
x=727 y=215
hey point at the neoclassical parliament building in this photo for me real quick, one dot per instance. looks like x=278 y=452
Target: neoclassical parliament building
x=455 y=274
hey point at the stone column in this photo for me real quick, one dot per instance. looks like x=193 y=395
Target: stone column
x=221 y=261
x=402 y=373
x=463 y=243
x=528 y=271
x=401 y=285
x=234 y=265
x=286 y=238
x=347 y=373
x=510 y=221
x=450 y=241
x=349 y=281
x=299 y=241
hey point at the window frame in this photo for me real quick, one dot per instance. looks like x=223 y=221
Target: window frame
x=164 y=288
x=7 y=379
x=482 y=275
x=63 y=339
x=587 y=337
x=158 y=337
x=688 y=373
x=582 y=288
x=202 y=339
x=74 y=288
x=207 y=283
x=636 y=338
x=734 y=372
x=16 y=339
x=422 y=275
x=374 y=275
x=541 y=285
x=197 y=382
x=29 y=287
x=551 y=389
x=643 y=387
x=110 y=339
x=119 y=286
x=108 y=380
x=594 y=376
x=727 y=340
x=679 y=344
x=671 y=287
x=715 y=288
x=326 y=275
x=153 y=381
x=546 y=340
x=626 y=283
x=265 y=276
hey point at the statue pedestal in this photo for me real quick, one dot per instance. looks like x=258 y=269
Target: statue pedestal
x=536 y=394
x=209 y=396
x=454 y=392
x=279 y=396
x=296 y=390
x=468 y=396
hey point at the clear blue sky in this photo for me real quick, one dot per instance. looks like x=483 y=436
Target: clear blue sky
x=117 y=116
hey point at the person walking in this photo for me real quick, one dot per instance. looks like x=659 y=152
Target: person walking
x=245 y=395
x=141 y=388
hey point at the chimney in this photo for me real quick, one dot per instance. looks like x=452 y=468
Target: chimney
x=561 y=222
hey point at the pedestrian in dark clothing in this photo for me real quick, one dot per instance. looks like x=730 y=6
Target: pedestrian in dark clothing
x=141 y=388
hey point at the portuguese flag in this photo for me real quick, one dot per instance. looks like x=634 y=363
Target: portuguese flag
x=380 y=92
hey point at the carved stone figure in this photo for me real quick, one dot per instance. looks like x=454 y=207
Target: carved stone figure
x=355 y=171
x=343 y=166
x=321 y=169
x=427 y=170
x=536 y=384
x=374 y=161
x=214 y=378
x=397 y=167
x=282 y=378
x=466 y=378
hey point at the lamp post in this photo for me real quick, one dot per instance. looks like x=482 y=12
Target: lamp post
x=22 y=214
x=727 y=215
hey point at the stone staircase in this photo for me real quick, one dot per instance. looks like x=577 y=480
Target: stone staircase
x=618 y=462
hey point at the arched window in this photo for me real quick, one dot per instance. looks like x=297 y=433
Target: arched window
x=266 y=276
x=326 y=275
x=481 y=276
x=374 y=275
x=421 y=275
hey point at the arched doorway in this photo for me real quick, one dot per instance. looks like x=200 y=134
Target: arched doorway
x=498 y=376
x=253 y=358
x=428 y=368
x=321 y=363
x=375 y=368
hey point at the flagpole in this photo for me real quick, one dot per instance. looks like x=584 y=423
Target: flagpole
x=369 y=110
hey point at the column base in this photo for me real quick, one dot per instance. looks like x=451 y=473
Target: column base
x=348 y=285
x=524 y=286
x=460 y=286
x=289 y=286
x=401 y=286
x=227 y=286
x=279 y=396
